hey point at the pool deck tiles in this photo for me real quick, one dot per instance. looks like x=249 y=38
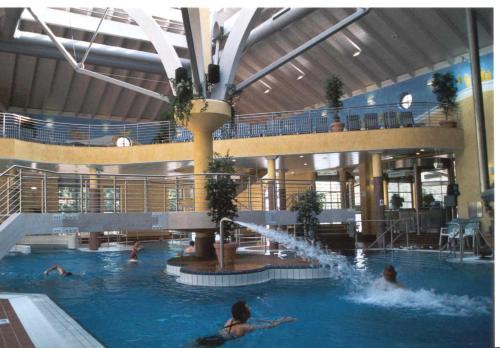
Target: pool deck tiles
x=43 y=322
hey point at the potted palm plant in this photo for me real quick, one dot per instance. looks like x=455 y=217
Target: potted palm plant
x=444 y=86
x=334 y=91
x=221 y=195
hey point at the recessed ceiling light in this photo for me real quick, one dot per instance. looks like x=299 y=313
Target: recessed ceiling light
x=357 y=53
x=300 y=77
x=422 y=150
x=33 y=187
x=301 y=156
x=234 y=159
x=302 y=74
x=418 y=153
x=268 y=88
x=305 y=164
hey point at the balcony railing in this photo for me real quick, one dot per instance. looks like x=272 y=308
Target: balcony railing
x=245 y=126
x=24 y=189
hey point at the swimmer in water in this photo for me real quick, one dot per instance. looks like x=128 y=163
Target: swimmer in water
x=62 y=271
x=389 y=278
x=135 y=249
x=237 y=326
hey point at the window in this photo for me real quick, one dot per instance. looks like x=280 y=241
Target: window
x=331 y=191
x=69 y=198
x=109 y=199
x=435 y=182
x=123 y=141
x=404 y=190
x=405 y=100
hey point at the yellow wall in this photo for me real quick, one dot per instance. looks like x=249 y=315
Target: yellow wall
x=467 y=167
x=249 y=147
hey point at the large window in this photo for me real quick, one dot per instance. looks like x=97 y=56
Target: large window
x=331 y=191
x=404 y=190
x=69 y=198
x=109 y=199
x=434 y=183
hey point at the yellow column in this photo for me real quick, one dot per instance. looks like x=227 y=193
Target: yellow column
x=271 y=182
x=94 y=204
x=203 y=121
x=378 y=193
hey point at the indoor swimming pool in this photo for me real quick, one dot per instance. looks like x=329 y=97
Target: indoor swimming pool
x=137 y=305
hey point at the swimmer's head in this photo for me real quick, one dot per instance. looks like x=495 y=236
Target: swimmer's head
x=191 y=243
x=390 y=273
x=66 y=274
x=240 y=311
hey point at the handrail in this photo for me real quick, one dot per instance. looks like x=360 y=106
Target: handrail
x=389 y=229
x=274 y=123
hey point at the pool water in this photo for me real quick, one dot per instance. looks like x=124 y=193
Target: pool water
x=138 y=305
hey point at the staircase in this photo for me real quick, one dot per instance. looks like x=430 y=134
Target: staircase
x=10 y=202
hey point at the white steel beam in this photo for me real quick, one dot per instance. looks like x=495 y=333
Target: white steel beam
x=94 y=74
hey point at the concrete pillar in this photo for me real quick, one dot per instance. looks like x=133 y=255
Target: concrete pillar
x=271 y=182
x=282 y=189
x=350 y=188
x=204 y=119
x=365 y=191
x=94 y=201
x=378 y=193
x=386 y=192
x=344 y=197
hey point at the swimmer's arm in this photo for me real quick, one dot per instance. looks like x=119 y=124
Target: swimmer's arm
x=272 y=323
x=51 y=269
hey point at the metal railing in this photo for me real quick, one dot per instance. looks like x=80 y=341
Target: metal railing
x=394 y=230
x=366 y=117
x=24 y=189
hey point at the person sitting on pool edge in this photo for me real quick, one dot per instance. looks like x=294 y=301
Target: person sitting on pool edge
x=135 y=249
x=389 y=275
x=59 y=269
x=190 y=249
x=237 y=326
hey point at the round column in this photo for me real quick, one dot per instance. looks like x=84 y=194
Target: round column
x=378 y=193
x=203 y=121
x=94 y=196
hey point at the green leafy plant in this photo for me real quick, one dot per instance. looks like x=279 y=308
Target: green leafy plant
x=444 y=86
x=182 y=103
x=308 y=206
x=334 y=90
x=221 y=190
x=397 y=201
x=428 y=199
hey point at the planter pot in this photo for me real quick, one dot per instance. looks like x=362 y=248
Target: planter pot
x=448 y=123
x=229 y=252
x=337 y=127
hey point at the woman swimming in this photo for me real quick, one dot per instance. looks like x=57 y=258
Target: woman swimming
x=237 y=326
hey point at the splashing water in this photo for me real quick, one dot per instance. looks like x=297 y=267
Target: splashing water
x=363 y=289
x=337 y=264
x=426 y=300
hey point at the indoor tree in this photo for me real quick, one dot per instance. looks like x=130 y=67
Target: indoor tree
x=221 y=190
x=334 y=90
x=308 y=206
x=397 y=201
x=444 y=86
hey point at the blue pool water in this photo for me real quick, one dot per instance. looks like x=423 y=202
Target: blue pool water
x=126 y=305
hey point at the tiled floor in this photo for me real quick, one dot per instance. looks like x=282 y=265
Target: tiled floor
x=12 y=332
x=243 y=262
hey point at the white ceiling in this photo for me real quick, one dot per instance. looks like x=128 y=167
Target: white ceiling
x=394 y=43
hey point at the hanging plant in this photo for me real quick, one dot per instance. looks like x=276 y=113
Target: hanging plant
x=308 y=206
x=444 y=86
x=182 y=103
x=334 y=90
x=222 y=190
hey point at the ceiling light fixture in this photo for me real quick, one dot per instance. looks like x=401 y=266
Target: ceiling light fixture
x=358 y=49
x=301 y=156
x=267 y=86
x=305 y=164
x=302 y=73
x=33 y=187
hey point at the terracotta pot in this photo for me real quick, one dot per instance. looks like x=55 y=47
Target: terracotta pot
x=448 y=123
x=229 y=252
x=337 y=126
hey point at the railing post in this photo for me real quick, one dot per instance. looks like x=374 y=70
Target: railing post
x=165 y=197
x=145 y=194
x=114 y=194
x=125 y=195
x=3 y=126
x=249 y=193
x=88 y=134
x=18 y=128
x=176 y=193
x=20 y=189
x=44 y=193
x=81 y=194
x=137 y=133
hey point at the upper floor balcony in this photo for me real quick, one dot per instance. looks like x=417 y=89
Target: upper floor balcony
x=362 y=118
